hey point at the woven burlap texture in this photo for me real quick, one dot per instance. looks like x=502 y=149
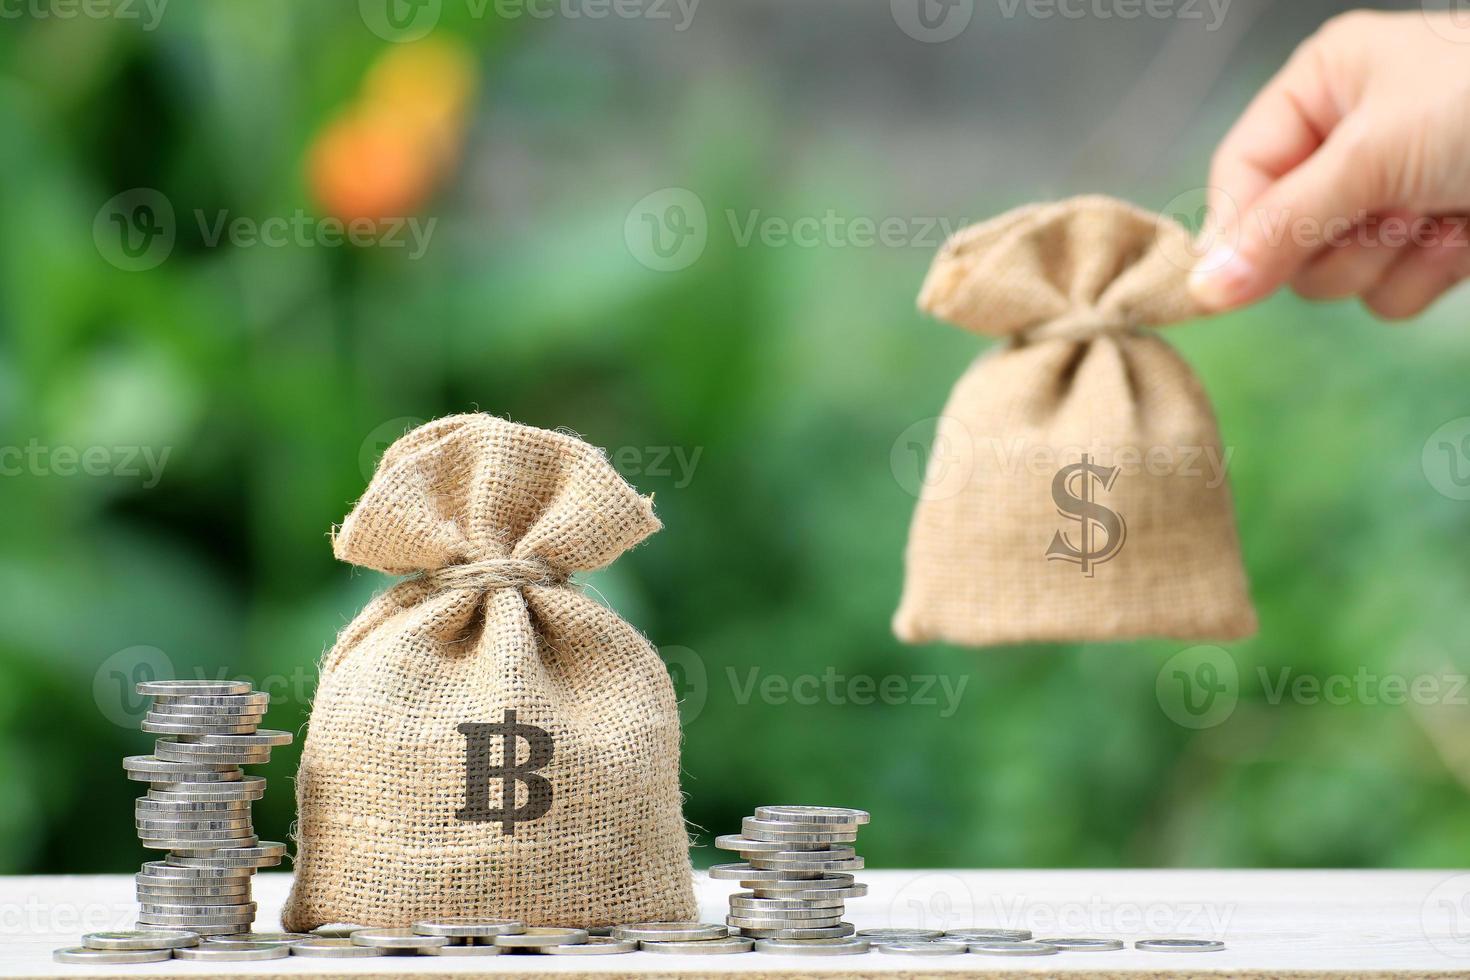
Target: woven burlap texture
x=511 y=510
x=1072 y=288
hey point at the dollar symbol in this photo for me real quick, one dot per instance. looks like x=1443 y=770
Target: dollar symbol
x=479 y=771
x=1078 y=505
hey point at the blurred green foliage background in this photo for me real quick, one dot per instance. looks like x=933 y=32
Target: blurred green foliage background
x=774 y=395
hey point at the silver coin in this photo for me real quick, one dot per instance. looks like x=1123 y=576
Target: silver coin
x=337 y=930
x=813 y=947
x=697 y=947
x=822 y=855
x=158 y=726
x=150 y=939
x=746 y=900
x=669 y=931
x=900 y=935
x=170 y=689
x=810 y=864
x=191 y=823
x=203 y=916
x=466 y=949
x=197 y=841
x=266 y=850
x=236 y=953
x=203 y=859
x=233 y=912
x=332 y=948
x=808 y=832
x=162 y=869
x=924 y=947
x=986 y=935
x=157 y=770
x=827 y=932
x=812 y=814
x=224 y=928
x=155 y=902
x=205 y=887
x=274 y=938
x=811 y=894
x=215 y=712
x=1180 y=945
x=396 y=939
x=195 y=845
x=794 y=916
x=204 y=809
x=256 y=700
x=467 y=926
x=594 y=946
x=261 y=736
x=108 y=957
x=745 y=873
x=784 y=921
x=771 y=889
x=536 y=937
x=1084 y=945
x=242 y=787
x=739 y=842
x=168 y=748
x=1012 y=947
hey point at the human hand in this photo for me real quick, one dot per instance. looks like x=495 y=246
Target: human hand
x=1349 y=174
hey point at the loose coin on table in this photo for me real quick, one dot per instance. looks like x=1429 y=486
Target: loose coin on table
x=1180 y=945
x=813 y=947
x=273 y=938
x=461 y=949
x=924 y=947
x=898 y=935
x=109 y=957
x=243 y=952
x=1084 y=945
x=467 y=927
x=986 y=935
x=1012 y=947
x=537 y=936
x=670 y=931
x=337 y=930
x=334 y=948
x=697 y=947
x=396 y=939
x=594 y=946
x=144 y=939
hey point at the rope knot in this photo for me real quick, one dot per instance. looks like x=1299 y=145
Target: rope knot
x=1081 y=324
x=490 y=574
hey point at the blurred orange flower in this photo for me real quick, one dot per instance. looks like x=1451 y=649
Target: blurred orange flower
x=386 y=154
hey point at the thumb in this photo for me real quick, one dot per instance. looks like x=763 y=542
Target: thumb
x=1308 y=209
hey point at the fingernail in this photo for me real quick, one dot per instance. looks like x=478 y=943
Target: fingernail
x=1222 y=278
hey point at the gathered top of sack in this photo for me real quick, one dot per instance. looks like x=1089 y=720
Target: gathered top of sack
x=479 y=502
x=1066 y=270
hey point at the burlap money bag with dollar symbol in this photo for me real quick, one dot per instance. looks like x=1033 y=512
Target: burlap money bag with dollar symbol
x=1076 y=488
x=486 y=740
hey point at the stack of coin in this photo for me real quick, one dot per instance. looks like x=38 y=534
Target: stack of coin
x=798 y=864
x=198 y=805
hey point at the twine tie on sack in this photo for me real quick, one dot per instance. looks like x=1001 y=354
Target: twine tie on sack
x=490 y=574
x=1081 y=324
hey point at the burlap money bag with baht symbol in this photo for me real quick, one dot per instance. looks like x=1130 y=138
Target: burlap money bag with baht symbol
x=1076 y=489
x=486 y=740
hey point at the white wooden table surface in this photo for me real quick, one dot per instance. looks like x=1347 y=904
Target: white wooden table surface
x=1274 y=924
